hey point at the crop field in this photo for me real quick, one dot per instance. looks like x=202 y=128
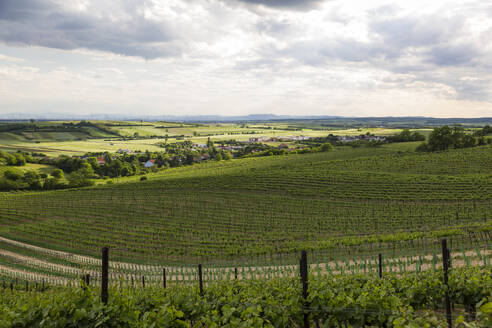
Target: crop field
x=245 y=221
x=397 y=300
x=253 y=210
x=111 y=136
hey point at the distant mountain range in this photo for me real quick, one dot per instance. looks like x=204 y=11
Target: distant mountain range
x=178 y=118
x=246 y=118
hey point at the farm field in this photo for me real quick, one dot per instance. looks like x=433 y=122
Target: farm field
x=113 y=135
x=252 y=210
x=246 y=221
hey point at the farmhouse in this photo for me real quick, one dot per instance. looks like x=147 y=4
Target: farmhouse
x=258 y=139
x=149 y=163
x=101 y=161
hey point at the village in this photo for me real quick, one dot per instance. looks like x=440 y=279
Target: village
x=126 y=162
x=205 y=151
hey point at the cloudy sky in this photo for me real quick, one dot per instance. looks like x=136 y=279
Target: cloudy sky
x=236 y=57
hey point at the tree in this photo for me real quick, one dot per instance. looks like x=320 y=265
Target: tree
x=79 y=179
x=86 y=170
x=326 y=147
x=441 y=138
x=32 y=179
x=446 y=137
x=115 y=168
x=406 y=136
x=227 y=156
x=12 y=175
x=93 y=162
x=57 y=173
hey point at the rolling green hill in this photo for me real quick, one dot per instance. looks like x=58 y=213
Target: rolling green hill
x=325 y=202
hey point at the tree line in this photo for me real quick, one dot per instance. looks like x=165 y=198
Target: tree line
x=446 y=137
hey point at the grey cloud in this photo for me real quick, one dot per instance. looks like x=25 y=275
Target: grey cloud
x=452 y=55
x=412 y=31
x=474 y=90
x=418 y=46
x=431 y=39
x=319 y=52
x=43 y=23
x=285 y=4
x=22 y=9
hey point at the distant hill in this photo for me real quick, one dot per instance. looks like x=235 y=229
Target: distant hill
x=409 y=121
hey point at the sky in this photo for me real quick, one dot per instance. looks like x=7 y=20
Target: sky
x=239 y=57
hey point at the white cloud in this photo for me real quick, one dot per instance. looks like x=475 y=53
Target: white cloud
x=242 y=56
x=5 y=58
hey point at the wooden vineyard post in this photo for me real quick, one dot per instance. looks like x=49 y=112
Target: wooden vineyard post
x=380 y=266
x=143 y=281
x=380 y=259
x=104 y=277
x=200 y=279
x=164 y=278
x=87 y=279
x=235 y=273
x=445 y=264
x=304 y=280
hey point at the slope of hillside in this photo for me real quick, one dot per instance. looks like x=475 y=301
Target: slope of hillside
x=278 y=205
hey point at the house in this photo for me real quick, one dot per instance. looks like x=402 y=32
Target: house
x=258 y=139
x=101 y=161
x=149 y=163
x=283 y=146
x=297 y=138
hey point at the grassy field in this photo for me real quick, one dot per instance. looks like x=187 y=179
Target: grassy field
x=28 y=167
x=112 y=135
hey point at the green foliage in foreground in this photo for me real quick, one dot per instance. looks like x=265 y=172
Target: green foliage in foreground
x=411 y=300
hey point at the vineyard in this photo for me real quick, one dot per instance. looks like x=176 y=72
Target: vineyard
x=245 y=221
x=359 y=300
x=264 y=210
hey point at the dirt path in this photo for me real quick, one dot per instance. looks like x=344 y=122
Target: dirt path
x=33 y=276
x=134 y=272
x=33 y=261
